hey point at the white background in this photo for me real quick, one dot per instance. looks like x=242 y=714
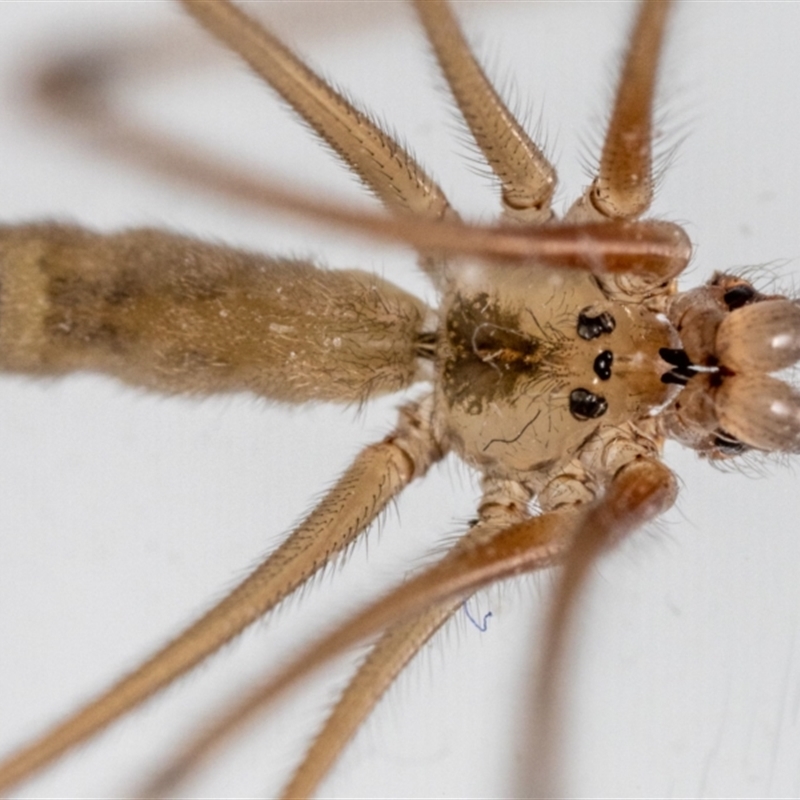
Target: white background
x=123 y=513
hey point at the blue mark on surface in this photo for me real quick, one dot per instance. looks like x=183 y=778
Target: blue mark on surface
x=481 y=626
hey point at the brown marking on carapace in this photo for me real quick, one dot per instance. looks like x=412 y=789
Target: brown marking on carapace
x=489 y=356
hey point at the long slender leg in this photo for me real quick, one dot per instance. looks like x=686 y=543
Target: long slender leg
x=478 y=560
x=378 y=474
x=474 y=563
x=641 y=489
x=528 y=179
x=504 y=504
x=649 y=247
x=384 y=663
x=373 y=155
x=623 y=188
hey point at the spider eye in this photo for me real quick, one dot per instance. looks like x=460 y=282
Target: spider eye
x=590 y=326
x=584 y=404
x=739 y=296
x=602 y=365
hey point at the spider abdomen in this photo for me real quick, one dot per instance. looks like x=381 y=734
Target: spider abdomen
x=176 y=315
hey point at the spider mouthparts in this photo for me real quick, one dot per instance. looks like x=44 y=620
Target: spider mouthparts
x=682 y=370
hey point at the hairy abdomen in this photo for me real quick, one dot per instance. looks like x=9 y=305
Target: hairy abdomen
x=177 y=315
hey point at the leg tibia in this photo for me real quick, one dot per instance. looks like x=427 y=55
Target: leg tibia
x=176 y=315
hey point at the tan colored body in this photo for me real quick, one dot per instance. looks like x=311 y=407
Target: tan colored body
x=176 y=315
x=507 y=361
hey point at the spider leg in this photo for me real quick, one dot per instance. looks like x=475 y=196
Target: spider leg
x=382 y=164
x=528 y=179
x=646 y=247
x=388 y=657
x=478 y=560
x=641 y=489
x=377 y=475
x=504 y=504
x=623 y=188
x=81 y=95
x=385 y=167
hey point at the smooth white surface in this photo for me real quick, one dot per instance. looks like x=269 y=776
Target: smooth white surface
x=122 y=513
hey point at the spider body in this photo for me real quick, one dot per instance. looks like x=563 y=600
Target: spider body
x=486 y=686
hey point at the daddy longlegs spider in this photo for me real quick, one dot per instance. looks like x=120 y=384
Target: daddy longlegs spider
x=686 y=681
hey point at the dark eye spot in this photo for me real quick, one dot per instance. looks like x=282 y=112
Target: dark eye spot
x=739 y=296
x=602 y=365
x=584 y=404
x=592 y=326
